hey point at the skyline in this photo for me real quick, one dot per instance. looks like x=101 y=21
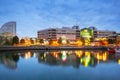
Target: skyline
x=40 y=14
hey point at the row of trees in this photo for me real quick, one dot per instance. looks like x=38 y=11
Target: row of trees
x=9 y=40
x=15 y=40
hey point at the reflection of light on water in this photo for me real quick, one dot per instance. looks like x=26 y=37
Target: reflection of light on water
x=105 y=56
x=118 y=61
x=55 y=54
x=86 y=61
x=79 y=53
x=34 y=55
x=87 y=53
x=69 y=52
x=27 y=55
x=44 y=55
x=99 y=56
x=102 y=56
x=98 y=61
x=64 y=56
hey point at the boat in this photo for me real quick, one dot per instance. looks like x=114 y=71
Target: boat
x=117 y=50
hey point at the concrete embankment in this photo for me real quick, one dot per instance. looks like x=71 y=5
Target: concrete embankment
x=15 y=48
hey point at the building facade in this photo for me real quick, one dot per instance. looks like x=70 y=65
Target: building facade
x=104 y=33
x=8 y=29
x=55 y=33
x=101 y=33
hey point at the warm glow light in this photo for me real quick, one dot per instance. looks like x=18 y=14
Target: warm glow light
x=99 y=56
x=55 y=54
x=27 y=55
x=85 y=61
x=79 y=43
x=79 y=53
x=55 y=43
x=118 y=61
x=87 y=54
x=64 y=41
x=105 y=56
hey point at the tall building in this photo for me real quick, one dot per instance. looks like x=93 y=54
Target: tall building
x=55 y=33
x=8 y=29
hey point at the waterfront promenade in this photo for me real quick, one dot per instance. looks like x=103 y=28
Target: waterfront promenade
x=15 y=48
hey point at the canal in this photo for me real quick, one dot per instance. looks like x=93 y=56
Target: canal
x=59 y=65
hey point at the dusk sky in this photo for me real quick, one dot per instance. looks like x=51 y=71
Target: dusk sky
x=34 y=15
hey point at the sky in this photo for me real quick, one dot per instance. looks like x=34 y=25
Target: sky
x=34 y=15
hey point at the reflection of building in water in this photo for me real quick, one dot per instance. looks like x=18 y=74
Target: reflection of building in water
x=117 y=56
x=64 y=58
x=10 y=61
x=88 y=59
x=47 y=59
x=68 y=58
x=75 y=58
x=101 y=56
x=27 y=54
x=79 y=53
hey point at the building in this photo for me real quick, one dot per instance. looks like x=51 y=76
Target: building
x=8 y=29
x=55 y=33
x=104 y=33
x=94 y=31
x=101 y=33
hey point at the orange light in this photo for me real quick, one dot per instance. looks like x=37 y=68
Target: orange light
x=118 y=61
x=27 y=55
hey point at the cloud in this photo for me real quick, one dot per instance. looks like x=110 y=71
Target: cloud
x=32 y=16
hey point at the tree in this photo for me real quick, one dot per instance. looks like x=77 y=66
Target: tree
x=60 y=40
x=41 y=41
x=8 y=41
x=15 y=40
x=2 y=40
x=111 y=41
x=22 y=41
x=31 y=41
x=68 y=42
x=15 y=57
x=79 y=42
x=91 y=39
x=83 y=40
x=50 y=42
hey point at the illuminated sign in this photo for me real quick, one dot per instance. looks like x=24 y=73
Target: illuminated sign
x=86 y=33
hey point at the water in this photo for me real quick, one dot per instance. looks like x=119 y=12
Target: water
x=59 y=65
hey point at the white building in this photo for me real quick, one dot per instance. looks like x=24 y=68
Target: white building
x=55 y=33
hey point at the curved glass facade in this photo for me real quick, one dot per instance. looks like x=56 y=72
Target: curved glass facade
x=9 y=28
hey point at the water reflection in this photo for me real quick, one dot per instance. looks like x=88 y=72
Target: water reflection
x=9 y=60
x=60 y=58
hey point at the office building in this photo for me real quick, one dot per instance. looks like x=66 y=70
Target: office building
x=101 y=33
x=67 y=33
x=8 y=29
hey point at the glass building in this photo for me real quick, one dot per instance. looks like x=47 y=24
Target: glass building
x=8 y=29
